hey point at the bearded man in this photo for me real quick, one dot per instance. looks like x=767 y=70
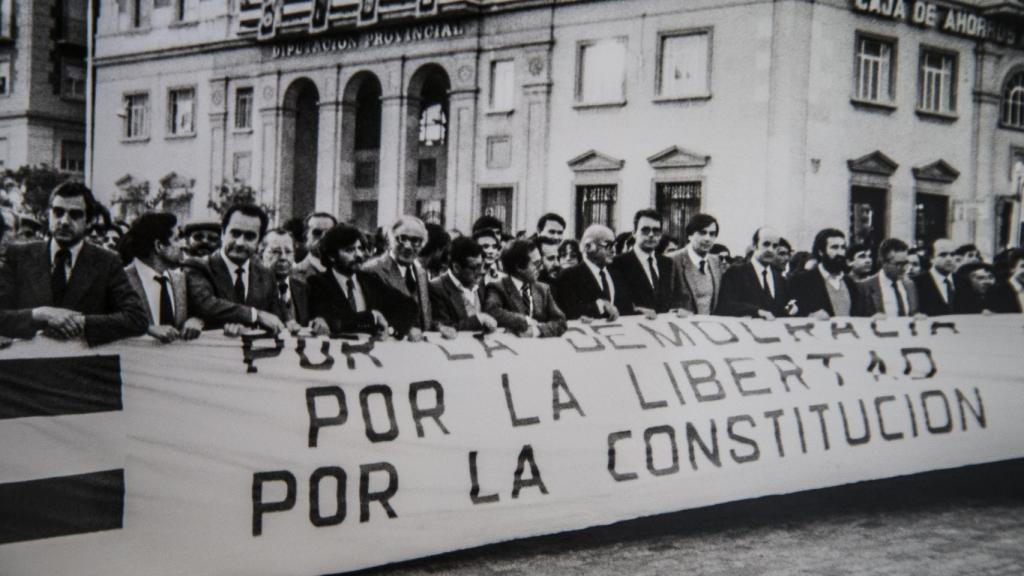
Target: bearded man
x=827 y=291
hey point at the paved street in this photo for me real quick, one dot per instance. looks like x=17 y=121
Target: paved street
x=968 y=521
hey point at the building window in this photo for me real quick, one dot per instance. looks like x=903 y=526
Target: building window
x=430 y=211
x=433 y=125
x=180 y=12
x=181 y=112
x=1013 y=102
x=497 y=202
x=595 y=204
x=139 y=13
x=426 y=172
x=931 y=217
x=937 y=82
x=5 y=77
x=136 y=116
x=601 y=72
x=72 y=81
x=868 y=215
x=502 y=85
x=366 y=174
x=677 y=202
x=684 y=65
x=243 y=109
x=72 y=156
x=875 y=74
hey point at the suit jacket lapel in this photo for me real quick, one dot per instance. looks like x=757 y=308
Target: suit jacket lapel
x=180 y=291
x=876 y=294
x=514 y=295
x=136 y=281
x=455 y=297
x=40 y=275
x=81 y=276
x=223 y=278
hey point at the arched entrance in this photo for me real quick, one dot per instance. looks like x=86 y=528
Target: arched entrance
x=427 y=153
x=360 y=149
x=299 y=131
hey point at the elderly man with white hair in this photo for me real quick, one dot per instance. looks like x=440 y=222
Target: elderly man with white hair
x=591 y=289
x=400 y=269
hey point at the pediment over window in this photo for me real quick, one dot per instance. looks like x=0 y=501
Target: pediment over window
x=593 y=161
x=938 y=171
x=873 y=163
x=174 y=180
x=129 y=181
x=676 y=157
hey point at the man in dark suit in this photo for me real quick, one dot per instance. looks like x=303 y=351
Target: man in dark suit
x=156 y=249
x=277 y=252
x=827 y=290
x=590 y=288
x=400 y=269
x=66 y=287
x=936 y=287
x=700 y=271
x=1007 y=296
x=455 y=298
x=229 y=287
x=888 y=291
x=649 y=278
x=314 y=226
x=756 y=288
x=344 y=299
x=520 y=303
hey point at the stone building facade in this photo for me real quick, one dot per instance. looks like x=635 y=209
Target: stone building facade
x=884 y=117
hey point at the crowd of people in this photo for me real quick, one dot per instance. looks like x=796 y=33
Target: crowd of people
x=80 y=278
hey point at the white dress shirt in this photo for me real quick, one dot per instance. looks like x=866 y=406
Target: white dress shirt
x=356 y=296
x=73 y=257
x=759 y=270
x=889 y=300
x=470 y=296
x=596 y=272
x=151 y=287
x=642 y=256
x=940 y=283
x=233 y=272
x=697 y=258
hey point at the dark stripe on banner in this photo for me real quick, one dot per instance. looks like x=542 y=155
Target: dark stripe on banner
x=61 y=506
x=59 y=386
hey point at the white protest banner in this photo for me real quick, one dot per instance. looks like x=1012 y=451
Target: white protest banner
x=308 y=456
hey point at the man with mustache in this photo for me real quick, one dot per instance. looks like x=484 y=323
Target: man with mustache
x=67 y=287
x=827 y=290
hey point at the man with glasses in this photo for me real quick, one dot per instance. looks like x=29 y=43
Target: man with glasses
x=590 y=288
x=648 y=278
x=756 y=288
x=229 y=288
x=277 y=252
x=889 y=291
x=456 y=296
x=66 y=287
x=400 y=269
x=203 y=239
x=313 y=229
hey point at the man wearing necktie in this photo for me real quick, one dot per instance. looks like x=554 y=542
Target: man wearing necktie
x=650 y=279
x=65 y=286
x=157 y=251
x=518 y=302
x=590 y=289
x=756 y=288
x=230 y=288
x=456 y=296
x=936 y=288
x=345 y=299
x=400 y=268
x=700 y=271
x=277 y=252
x=888 y=291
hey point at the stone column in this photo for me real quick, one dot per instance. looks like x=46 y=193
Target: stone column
x=461 y=157
x=980 y=225
x=346 y=161
x=266 y=156
x=328 y=136
x=532 y=199
x=218 y=138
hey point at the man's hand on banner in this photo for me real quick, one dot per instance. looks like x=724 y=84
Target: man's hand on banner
x=293 y=327
x=648 y=313
x=487 y=321
x=414 y=335
x=61 y=324
x=270 y=322
x=791 y=308
x=682 y=313
x=192 y=329
x=819 y=315
x=319 y=327
x=233 y=330
x=447 y=332
x=765 y=314
x=163 y=333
